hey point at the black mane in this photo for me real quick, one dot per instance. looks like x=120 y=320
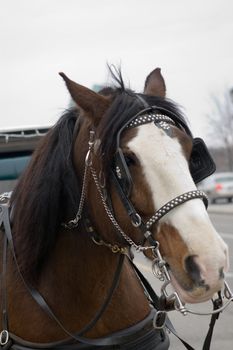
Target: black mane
x=49 y=191
x=45 y=191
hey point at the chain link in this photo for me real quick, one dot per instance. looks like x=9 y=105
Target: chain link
x=114 y=247
x=88 y=162
x=74 y=222
x=112 y=218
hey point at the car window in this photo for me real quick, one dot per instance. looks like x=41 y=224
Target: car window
x=16 y=147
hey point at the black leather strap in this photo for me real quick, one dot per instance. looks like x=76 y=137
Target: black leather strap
x=155 y=300
x=113 y=340
x=127 y=203
x=3 y=285
x=136 y=337
x=216 y=304
x=39 y=299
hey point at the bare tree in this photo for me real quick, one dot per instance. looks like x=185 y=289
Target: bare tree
x=221 y=124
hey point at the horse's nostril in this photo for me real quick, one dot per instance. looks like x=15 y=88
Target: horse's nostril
x=193 y=269
x=221 y=273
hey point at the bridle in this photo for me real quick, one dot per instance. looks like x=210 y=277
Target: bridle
x=122 y=181
x=121 y=178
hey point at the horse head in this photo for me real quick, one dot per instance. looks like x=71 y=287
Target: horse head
x=140 y=161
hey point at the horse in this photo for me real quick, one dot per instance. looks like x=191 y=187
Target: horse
x=112 y=174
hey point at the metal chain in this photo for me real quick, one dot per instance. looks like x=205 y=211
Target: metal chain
x=88 y=162
x=74 y=222
x=114 y=247
x=112 y=218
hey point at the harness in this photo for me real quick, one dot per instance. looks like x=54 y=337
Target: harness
x=152 y=328
x=201 y=165
x=136 y=337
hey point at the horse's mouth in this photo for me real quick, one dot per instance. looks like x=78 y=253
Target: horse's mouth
x=190 y=293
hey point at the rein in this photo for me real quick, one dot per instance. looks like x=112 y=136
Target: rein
x=121 y=338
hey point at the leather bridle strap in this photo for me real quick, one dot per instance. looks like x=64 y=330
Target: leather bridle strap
x=175 y=203
x=129 y=207
x=216 y=305
x=132 y=213
x=4 y=334
x=155 y=300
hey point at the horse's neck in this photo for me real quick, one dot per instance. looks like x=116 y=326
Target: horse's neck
x=75 y=283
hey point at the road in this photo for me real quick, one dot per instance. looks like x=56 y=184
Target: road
x=194 y=328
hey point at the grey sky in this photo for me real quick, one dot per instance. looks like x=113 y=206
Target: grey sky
x=192 y=41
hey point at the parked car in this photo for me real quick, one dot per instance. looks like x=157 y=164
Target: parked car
x=16 y=147
x=218 y=186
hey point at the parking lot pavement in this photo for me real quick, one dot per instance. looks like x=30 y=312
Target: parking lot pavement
x=221 y=208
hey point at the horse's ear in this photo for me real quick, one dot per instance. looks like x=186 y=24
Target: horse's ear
x=93 y=104
x=155 y=84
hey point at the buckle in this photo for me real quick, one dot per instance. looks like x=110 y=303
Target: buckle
x=159 y=319
x=4 y=337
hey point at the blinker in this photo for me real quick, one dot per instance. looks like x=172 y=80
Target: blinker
x=201 y=163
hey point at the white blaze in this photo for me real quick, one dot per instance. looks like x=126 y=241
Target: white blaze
x=167 y=173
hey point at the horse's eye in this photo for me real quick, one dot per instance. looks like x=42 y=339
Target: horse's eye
x=130 y=159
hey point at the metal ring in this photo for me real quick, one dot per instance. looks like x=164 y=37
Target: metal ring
x=136 y=220
x=88 y=159
x=97 y=241
x=4 y=337
x=115 y=249
x=159 y=319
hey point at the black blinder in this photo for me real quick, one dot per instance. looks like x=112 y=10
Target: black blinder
x=201 y=163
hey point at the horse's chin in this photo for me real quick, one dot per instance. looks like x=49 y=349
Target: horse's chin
x=192 y=296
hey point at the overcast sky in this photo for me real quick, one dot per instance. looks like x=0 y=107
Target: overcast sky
x=192 y=41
